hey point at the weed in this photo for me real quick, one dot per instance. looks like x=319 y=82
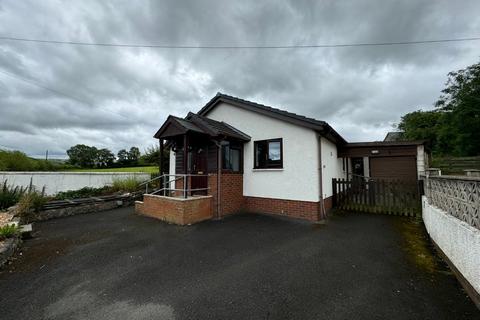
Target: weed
x=10 y=195
x=9 y=231
x=129 y=184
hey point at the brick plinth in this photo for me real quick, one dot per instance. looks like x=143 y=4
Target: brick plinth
x=307 y=210
x=176 y=210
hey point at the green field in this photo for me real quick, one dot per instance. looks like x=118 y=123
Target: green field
x=150 y=169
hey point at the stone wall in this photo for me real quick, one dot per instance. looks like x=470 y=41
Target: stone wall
x=8 y=248
x=96 y=205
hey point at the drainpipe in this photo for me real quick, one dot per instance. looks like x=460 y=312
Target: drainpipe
x=219 y=178
x=321 y=209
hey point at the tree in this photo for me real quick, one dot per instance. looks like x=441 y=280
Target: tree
x=82 y=155
x=133 y=155
x=421 y=125
x=454 y=127
x=105 y=158
x=459 y=133
x=151 y=155
x=122 y=156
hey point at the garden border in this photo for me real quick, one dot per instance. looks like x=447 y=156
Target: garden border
x=66 y=208
x=7 y=248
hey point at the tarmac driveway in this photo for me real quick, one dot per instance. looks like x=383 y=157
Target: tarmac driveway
x=116 y=265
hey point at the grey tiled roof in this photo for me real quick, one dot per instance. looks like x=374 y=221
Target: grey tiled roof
x=318 y=125
x=217 y=128
x=394 y=136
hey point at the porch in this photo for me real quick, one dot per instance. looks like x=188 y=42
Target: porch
x=206 y=157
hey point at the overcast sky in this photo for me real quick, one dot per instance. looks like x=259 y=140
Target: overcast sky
x=121 y=96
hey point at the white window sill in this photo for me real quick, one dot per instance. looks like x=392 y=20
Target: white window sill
x=268 y=169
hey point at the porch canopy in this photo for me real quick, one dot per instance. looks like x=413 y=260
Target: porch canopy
x=196 y=132
x=196 y=124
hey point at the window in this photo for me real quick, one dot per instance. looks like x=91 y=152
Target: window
x=231 y=157
x=268 y=154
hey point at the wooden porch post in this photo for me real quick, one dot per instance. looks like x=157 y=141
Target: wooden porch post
x=162 y=180
x=185 y=165
x=161 y=156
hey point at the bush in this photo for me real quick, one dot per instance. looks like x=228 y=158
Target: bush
x=128 y=184
x=16 y=161
x=10 y=195
x=82 y=193
x=19 y=161
x=31 y=200
x=9 y=231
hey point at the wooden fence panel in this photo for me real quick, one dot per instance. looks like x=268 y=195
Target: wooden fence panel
x=378 y=196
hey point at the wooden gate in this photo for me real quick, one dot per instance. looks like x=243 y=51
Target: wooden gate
x=396 y=197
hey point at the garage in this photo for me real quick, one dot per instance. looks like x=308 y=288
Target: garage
x=400 y=167
x=401 y=160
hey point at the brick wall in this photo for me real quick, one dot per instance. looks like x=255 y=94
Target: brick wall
x=291 y=208
x=232 y=200
x=212 y=191
x=175 y=210
x=232 y=193
x=179 y=185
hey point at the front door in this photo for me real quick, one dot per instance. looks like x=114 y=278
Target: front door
x=199 y=167
x=357 y=168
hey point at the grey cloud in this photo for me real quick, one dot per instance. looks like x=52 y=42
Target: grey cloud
x=127 y=93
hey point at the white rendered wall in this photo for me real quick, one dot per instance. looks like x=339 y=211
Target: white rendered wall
x=332 y=166
x=55 y=182
x=459 y=241
x=299 y=178
x=172 y=168
x=421 y=160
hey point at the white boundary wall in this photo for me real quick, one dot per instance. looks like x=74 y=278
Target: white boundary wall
x=458 y=240
x=55 y=182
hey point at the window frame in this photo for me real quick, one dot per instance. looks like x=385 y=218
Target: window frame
x=238 y=147
x=268 y=165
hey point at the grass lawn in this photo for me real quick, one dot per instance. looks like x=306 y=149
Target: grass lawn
x=149 y=169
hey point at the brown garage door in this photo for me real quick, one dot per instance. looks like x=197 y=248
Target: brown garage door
x=403 y=168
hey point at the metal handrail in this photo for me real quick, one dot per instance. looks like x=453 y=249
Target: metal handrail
x=177 y=177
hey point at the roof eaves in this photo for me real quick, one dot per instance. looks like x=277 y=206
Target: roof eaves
x=386 y=143
x=318 y=125
x=240 y=133
x=262 y=109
